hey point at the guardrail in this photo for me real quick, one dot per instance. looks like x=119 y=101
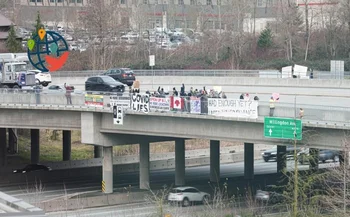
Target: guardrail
x=321 y=113
x=201 y=72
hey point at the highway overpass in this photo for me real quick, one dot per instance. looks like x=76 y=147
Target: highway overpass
x=324 y=127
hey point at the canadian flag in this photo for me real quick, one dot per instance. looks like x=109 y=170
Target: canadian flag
x=177 y=103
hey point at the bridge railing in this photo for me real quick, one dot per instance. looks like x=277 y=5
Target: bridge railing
x=321 y=113
x=201 y=72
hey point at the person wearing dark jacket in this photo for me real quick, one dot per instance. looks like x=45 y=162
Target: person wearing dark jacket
x=241 y=96
x=175 y=93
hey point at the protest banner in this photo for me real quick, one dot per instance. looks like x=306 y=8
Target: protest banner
x=140 y=102
x=93 y=100
x=233 y=108
x=159 y=104
x=195 y=105
x=123 y=101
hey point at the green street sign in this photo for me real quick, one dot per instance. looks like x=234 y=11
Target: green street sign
x=283 y=128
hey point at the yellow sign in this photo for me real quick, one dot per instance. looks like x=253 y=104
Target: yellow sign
x=103 y=186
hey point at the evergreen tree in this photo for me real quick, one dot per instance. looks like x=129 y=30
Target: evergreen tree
x=265 y=38
x=12 y=44
x=38 y=25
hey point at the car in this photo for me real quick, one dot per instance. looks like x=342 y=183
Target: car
x=270 y=194
x=123 y=75
x=104 y=84
x=323 y=156
x=272 y=153
x=187 y=195
x=43 y=78
x=33 y=167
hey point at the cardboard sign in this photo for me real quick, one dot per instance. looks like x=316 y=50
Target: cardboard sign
x=140 y=102
x=195 y=105
x=93 y=100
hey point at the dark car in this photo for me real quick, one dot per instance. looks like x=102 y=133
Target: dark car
x=323 y=156
x=272 y=153
x=104 y=84
x=33 y=167
x=124 y=75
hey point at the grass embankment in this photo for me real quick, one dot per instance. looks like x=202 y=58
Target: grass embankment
x=51 y=146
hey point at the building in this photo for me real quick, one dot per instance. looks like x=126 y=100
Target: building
x=5 y=25
x=145 y=14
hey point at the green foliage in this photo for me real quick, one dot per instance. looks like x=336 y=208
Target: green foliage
x=12 y=44
x=265 y=38
x=38 y=25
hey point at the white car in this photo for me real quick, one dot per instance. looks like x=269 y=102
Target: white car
x=43 y=78
x=187 y=195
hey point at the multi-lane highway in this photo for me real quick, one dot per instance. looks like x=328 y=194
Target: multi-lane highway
x=194 y=175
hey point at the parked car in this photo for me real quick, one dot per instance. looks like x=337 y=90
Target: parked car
x=33 y=167
x=123 y=75
x=104 y=84
x=187 y=195
x=43 y=78
x=272 y=153
x=323 y=156
x=271 y=194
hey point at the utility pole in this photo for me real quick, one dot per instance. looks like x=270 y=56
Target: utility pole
x=295 y=202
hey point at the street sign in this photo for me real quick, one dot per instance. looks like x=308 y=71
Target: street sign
x=152 y=60
x=283 y=128
x=118 y=115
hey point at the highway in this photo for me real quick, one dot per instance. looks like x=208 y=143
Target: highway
x=197 y=176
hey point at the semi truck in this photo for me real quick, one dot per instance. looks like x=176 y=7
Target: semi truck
x=15 y=75
x=43 y=78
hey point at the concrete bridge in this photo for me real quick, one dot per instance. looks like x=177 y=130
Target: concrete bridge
x=327 y=130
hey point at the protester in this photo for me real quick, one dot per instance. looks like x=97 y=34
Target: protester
x=136 y=87
x=246 y=97
x=272 y=106
x=68 y=93
x=175 y=93
x=301 y=113
x=256 y=98
x=241 y=96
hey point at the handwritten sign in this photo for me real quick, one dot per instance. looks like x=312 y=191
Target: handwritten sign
x=233 y=108
x=140 y=102
x=159 y=104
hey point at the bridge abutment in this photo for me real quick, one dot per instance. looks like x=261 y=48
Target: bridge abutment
x=249 y=161
x=66 y=140
x=107 y=170
x=34 y=146
x=281 y=158
x=180 y=162
x=144 y=165
x=214 y=160
x=3 y=147
x=12 y=140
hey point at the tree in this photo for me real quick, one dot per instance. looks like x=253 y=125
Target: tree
x=265 y=38
x=38 y=25
x=12 y=44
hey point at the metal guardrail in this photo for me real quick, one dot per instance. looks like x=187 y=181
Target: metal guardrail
x=206 y=73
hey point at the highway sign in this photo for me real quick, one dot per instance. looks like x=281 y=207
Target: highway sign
x=283 y=128
x=118 y=115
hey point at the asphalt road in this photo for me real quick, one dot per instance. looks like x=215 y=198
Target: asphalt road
x=304 y=96
x=197 y=176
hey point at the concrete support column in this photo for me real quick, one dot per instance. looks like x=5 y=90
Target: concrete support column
x=12 y=140
x=249 y=161
x=179 y=162
x=66 y=144
x=34 y=146
x=107 y=170
x=314 y=159
x=214 y=161
x=3 y=147
x=144 y=166
x=98 y=151
x=281 y=158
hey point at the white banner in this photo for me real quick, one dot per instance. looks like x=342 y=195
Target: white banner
x=233 y=108
x=140 y=102
x=159 y=104
x=119 y=101
x=195 y=105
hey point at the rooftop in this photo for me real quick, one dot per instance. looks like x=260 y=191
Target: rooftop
x=4 y=22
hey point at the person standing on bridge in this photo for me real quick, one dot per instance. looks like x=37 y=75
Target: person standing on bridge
x=272 y=106
x=68 y=94
x=301 y=113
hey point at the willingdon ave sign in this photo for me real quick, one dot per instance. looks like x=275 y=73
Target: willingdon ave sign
x=283 y=128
